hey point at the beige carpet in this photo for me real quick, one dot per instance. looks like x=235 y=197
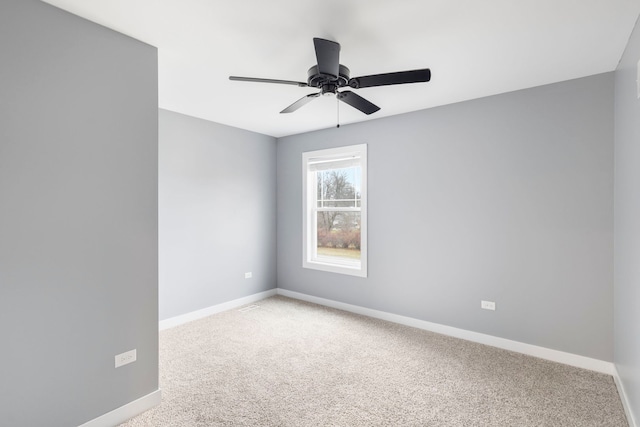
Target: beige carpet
x=291 y=363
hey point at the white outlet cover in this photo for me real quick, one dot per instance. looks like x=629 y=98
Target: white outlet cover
x=126 y=358
x=638 y=78
x=488 y=305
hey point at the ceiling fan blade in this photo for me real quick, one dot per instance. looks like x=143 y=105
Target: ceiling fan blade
x=398 y=78
x=328 y=56
x=300 y=102
x=358 y=102
x=259 y=80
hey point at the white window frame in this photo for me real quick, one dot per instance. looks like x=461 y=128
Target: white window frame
x=310 y=259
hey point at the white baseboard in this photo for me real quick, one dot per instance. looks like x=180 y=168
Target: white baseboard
x=123 y=413
x=199 y=314
x=519 y=347
x=625 y=400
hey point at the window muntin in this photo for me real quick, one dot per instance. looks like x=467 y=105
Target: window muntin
x=335 y=210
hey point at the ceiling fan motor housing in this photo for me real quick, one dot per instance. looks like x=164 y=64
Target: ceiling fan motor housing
x=328 y=83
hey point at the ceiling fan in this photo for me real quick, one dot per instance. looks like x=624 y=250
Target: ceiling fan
x=329 y=76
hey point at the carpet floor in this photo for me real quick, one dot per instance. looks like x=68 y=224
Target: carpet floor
x=283 y=362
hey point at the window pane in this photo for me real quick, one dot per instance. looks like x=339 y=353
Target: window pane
x=338 y=187
x=339 y=235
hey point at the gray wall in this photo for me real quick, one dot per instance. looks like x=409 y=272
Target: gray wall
x=217 y=191
x=627 y=224
x=507 y=198
x=78 y=217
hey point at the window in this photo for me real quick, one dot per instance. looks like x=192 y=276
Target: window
x=335 y=210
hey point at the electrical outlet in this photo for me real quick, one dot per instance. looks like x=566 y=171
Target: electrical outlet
x=126 y=358
x=248 y=275
x=638 y=78
x=488 y=305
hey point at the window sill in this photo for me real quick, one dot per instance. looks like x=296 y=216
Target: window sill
x=351 y=269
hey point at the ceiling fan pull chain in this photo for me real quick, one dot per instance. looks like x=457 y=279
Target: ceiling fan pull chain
x=338 y=112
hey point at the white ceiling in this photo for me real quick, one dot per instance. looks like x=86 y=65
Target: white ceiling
x=473 y=48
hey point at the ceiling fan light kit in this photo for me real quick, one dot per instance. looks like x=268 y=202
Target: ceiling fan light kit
x=329 y=76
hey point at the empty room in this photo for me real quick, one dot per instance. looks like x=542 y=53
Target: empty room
x=347 y=213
